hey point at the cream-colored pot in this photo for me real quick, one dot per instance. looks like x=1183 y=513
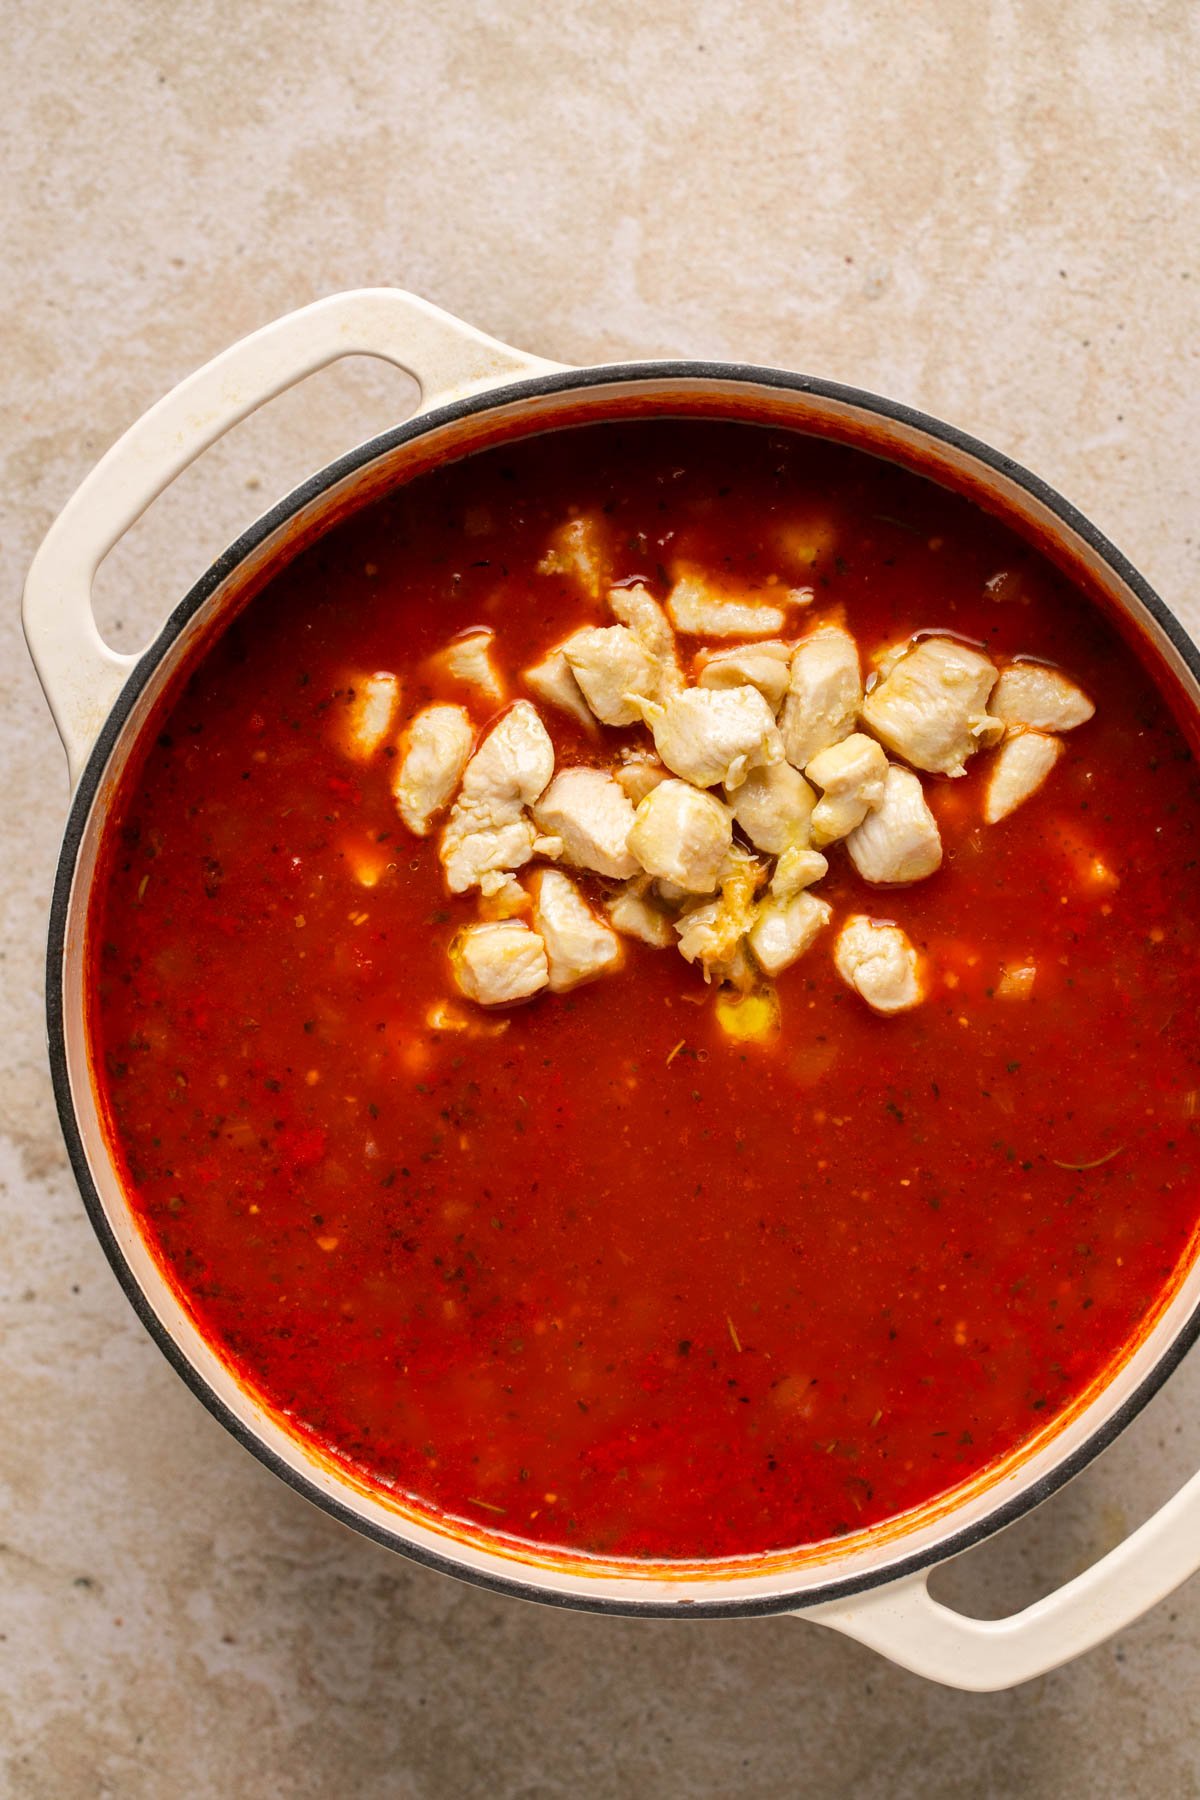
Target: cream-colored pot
x=474 y=390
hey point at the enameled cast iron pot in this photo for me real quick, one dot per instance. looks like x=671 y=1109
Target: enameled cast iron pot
x=476 y=391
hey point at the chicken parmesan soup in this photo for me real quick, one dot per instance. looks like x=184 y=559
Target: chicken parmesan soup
x=644 y=992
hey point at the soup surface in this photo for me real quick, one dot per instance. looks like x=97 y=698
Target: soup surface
x=650 y=1267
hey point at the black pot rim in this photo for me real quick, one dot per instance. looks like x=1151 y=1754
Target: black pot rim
x=610 y=374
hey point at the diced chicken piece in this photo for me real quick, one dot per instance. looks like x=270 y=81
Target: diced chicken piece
x=932 y=708
x=637 y=608
x=1084 y=862
x=499 y=962
x=433 y=755
x=711 y=735
x=1031 y=694
x=877 y=960
x=447 y=1015
x=367 y=857
x=712 y=934
x=764 y=666
x=634 y=914
x=516 y=757
x=899 y=841
x=610 y=665
x=884 y=659
x=740 y=971
x=703 y=937
x=577 y=549
x=700 y=609
x=366 y=721
x=476 y=844
x=493 y=882
x=682 y=835
x=638 y=773
x=784 y=929
x=487 y=828
x=579 y=946
x=503 y=897
x=824 y=694
x=1017 y=981
x=552 y=680
x=773 y=807
x=806 y=541
x=588 y=811
x=799 y=867
x=852 y=774
x=1021 y=764
x=469 y=659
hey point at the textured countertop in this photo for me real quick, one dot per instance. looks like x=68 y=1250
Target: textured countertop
x=991 y=211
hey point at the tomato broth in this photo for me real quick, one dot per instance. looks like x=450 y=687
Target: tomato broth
x=587 y=1271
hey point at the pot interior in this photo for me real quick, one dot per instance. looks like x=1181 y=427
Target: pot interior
x=765 y=1583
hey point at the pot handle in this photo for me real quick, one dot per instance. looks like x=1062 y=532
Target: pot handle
x=903 y=1621
x=80 y=674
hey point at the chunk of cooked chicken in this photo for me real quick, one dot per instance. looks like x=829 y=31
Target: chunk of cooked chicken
x=579 y=946
x=1020 y=766
x=639 y=771
x=433 y=755
x=577 y=549
x=1032 y=694
x=552 y=680
x=502 y=896
x=711 y=735
x=588 y=811
x=797 y=868
x=824 y=694
x=499 y=962
x=702 y=936
x=448 y=1015
x=773 y=807
x=637 y=608
x=367 y=859
x=784 y=929
x=877 y=960
x=700 y=609
x=366 y=719
x=610 y=665
x=469 y=659
x=806 y=540
x=634 y=914
x=712 y=934
x=481 y=841
x=852 y=775
x=1017 y=981
x=487 y=828
x=884 y=657
x=932 y=707
x=899 y=841
x=682 y=836
x=764 y=666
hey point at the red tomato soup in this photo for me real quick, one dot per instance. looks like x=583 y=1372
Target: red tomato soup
x=650 y=1267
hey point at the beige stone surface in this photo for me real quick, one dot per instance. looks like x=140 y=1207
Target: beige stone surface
x=988 y=209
